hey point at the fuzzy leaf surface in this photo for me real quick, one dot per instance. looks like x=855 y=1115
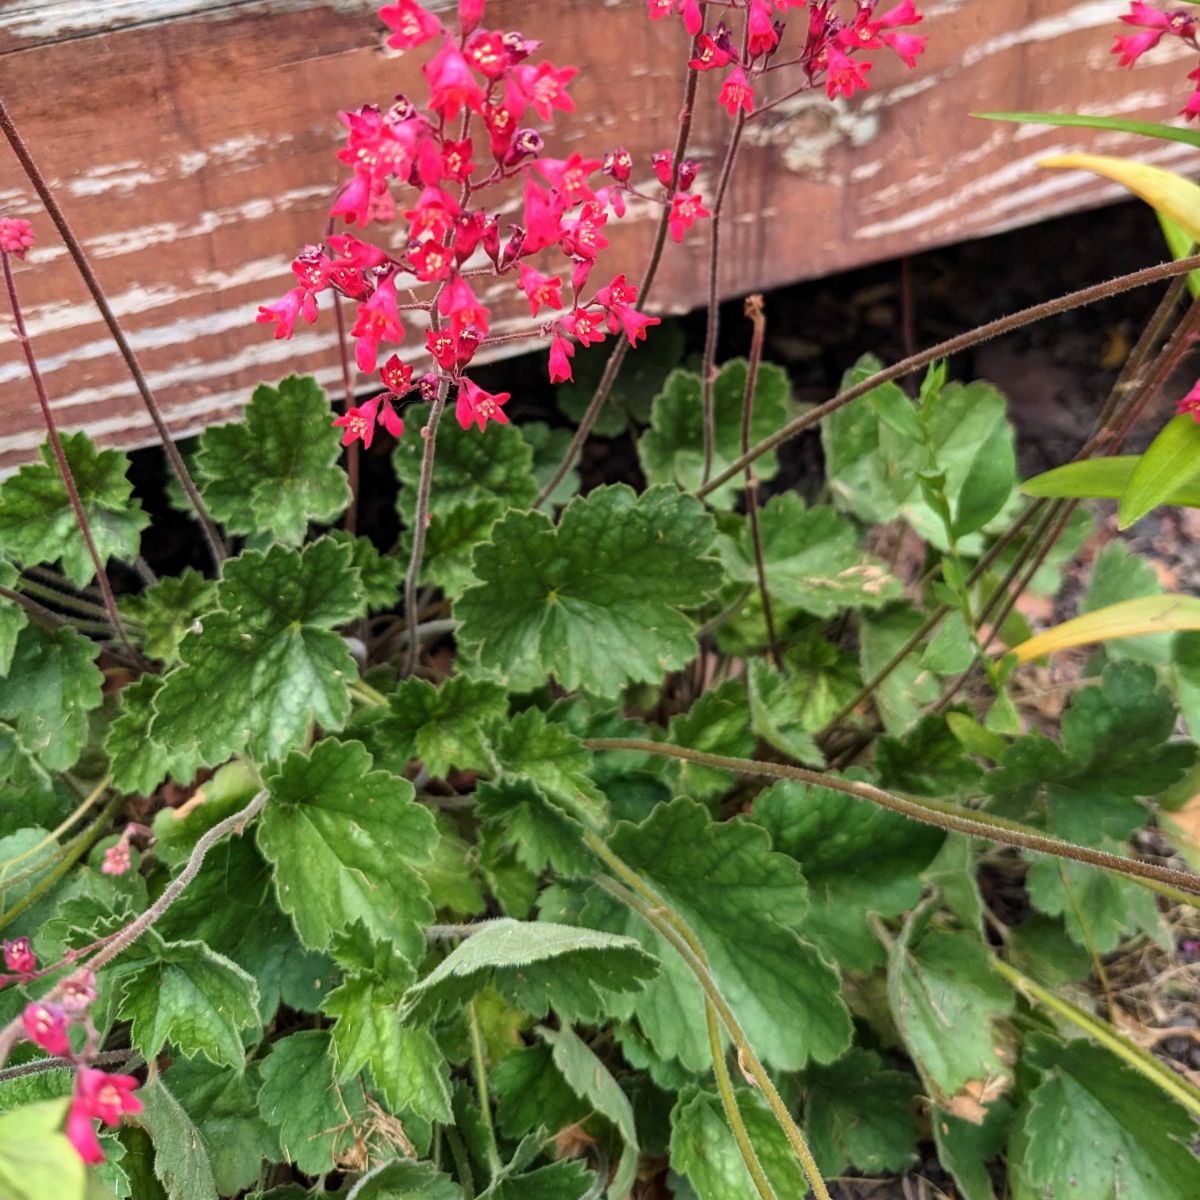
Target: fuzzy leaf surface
x=277 y=469
x=271 y=645
x=181 y=1162
x=37 y=522
x=744 y=902
x=167 y=608
x=347 y=842
x=597 y=600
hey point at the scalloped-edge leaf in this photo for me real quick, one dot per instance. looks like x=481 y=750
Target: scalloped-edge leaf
x=1102 y=479
x=1169 y=133
x=1171 y=461
x=1130 y=618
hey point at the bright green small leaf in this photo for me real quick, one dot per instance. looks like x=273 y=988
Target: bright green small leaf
x=36 y=1160
x=672 y=449
x=1095 y=479
x=37 y=521
x=949 y=651
x=277 y=469
x=318 y=1119
x=347 y=843
x=1170 y=463
x=596 y=600
x=988 y=483
x=540 y=965
x=1180 y=244
x=51 y=686
x=1093 y=1127
x=895 y=408
x=262 y=669
x=192 y=997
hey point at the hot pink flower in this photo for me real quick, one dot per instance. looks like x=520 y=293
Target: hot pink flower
x=561 y=353
x=474 y=404
x=396 y=376
x=410 y=24
x=451 y=84
x=456 y=159
x=584 y=325
x=79 y=991
x=98 y=1094
x=1155 y=24
x=686 y=209
x=359 y=422
x=543 y=219
x=299 y=302
x=545 y=87
x=470 y=13
x=1190 y=403
x=46 y=1026
x=378 y=321
x=19 y=956
x=736 y=92
x=693 y=18
x=433 y=216
x=16 y=236
x=708 y=55
x=355 y=253
x=763 y=38
x=117 y=859
x=1191 y=109
x=569 y=177
x=844 y=74
x=542 y=291
x=458 y=303
x=430 y=260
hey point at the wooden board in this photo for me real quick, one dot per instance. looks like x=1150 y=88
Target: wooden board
x=193 y=143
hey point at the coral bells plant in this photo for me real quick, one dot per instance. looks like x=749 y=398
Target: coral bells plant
x=1152 y=25
x=710 y=838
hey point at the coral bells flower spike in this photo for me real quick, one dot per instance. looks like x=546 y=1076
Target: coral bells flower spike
x=762 y=36
x=561 y=353
x=98 y=1094
x=545 y=87
x=410 y=24
x=19 y=956
x=707 y=55
x=474 y=404
x=46 y=1026
x=117 y=859
x=542 y=291
x=359 y=423
x=845 y=75
x=736 y=92
x=451 y=84
x=686 y=210
x=1154 y=24
x=16 y=236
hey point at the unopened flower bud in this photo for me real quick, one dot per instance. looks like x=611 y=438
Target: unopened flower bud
x=79 y=991
x=16 y=236
x=19 y=956
x=618 y=164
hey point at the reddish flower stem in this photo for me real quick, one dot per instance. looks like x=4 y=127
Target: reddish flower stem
x=211 y=534
x=352 y=451
x=617 y=356
x=64 y=468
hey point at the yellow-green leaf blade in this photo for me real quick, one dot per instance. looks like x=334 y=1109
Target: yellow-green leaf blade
x=1147 y=614
x=1171 y=461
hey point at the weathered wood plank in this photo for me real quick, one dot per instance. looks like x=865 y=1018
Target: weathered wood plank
x=193 y=149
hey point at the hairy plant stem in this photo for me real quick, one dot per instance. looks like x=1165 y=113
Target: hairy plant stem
x=353 y=456
x=64 y=467
x=621 y=348
x=479 y=1062
x=420 y=521
x=39 y=1066
x=75 y=248
x=941 y=813
x=983 y=333
x=754 y=311
x=1142 y=1061
x=654 y=915
x=139 y=926
x=713 y=325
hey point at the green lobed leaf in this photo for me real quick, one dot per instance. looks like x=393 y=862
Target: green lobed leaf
x=181 y=1162
x=539 y=831
x=189 y=995
x=471 y=465
x=812 y=560
x=531 y=1093
x=860 y=1114
x=719 y=723
x=1171 y=462
x=672 y=449
x=138 y=763
x=901 y=696
x=777 y=712
x=403 y=1179
x=36 y=1160
x=595 y=601
x=539 y=965
x=51 y=686
x=277 y=469
x=166 y=610
x=223 y=1106
x=965 y=1148
x=381 y=574
x=442 y=726
x=37 y=522
x=450 y=542
x=1117 y=575
x=724 y=880
x=316 y=1117
x=1093 y=1127
x=13 y=618
x=858 y=858
x=268 y=663
x=346 y=843
x=946 y=1001
x=590 y=1079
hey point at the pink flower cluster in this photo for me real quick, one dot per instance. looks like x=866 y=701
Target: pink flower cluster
x=16 y=236
x=1190 y=403
x=48 y=1025
x=469 y=136
x=1154 y=25
x=829 y=49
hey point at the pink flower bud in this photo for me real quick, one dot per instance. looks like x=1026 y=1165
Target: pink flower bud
x=19 y=956
x=16 y=236
x=78 y=992
x=46 y=1026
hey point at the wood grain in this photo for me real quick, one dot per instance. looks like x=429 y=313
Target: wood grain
x=192 y=146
